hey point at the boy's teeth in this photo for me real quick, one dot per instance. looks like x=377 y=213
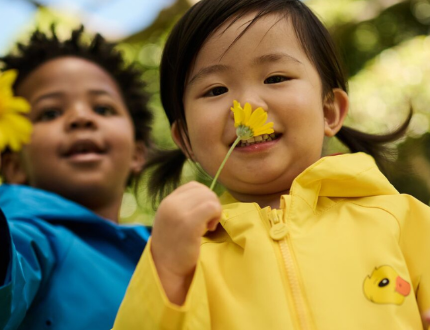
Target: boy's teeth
x=258 y=138
x=251 y=140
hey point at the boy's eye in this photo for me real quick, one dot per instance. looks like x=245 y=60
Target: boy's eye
x=275 y=80
x=217 y=91
x=104 y=110
x=49 y=114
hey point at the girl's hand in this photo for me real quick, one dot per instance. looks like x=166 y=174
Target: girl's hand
x=426 y=319
x=182 y=219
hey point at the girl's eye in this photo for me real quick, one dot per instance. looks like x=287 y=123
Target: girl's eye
x=104 y=110
x=275 y=80
x=49 y=114
x=217 y=91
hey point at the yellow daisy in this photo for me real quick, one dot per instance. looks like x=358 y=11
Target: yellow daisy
x=250 y=123
x=15 y=129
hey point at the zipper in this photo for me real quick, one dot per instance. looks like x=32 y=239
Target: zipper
x=279 y=232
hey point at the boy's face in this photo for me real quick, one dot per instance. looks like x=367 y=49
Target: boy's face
x=83 y=145
x=268 y=68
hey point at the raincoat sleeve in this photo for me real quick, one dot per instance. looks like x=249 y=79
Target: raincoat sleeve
x=26 y=258
x=415 y=244
x=146 y=306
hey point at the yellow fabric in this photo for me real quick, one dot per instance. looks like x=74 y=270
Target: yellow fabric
x=343 y=220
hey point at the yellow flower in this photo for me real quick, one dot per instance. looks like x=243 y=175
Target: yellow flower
x=250 y=123
x=15 y=129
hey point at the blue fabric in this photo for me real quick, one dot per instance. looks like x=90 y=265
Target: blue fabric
x=63 y=267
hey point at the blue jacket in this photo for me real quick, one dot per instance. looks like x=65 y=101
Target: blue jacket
x=61 y=265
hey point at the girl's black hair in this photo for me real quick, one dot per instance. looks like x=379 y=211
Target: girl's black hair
x=198 y=24
x=42 y=47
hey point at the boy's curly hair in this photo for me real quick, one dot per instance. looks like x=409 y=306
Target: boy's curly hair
x=42 y=48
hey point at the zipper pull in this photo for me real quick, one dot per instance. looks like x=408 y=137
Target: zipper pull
x=279 y=229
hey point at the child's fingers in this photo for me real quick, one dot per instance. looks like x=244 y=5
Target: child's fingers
x=426 y=318
x=192 y=195
x=213 y=224
x=211 y=212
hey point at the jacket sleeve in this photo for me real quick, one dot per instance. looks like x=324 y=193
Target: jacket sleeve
x=26 y=261
x=146 y=306
x=415 y=244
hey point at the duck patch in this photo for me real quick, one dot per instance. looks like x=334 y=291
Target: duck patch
x=385 y=286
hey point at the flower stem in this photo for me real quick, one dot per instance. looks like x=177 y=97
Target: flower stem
x=224 y=161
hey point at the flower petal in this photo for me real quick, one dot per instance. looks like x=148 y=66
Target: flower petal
x=15 y=129
x=247 y=113
x=266 y=129
x=2 y=140
x=237 y=111
x=7 y=79
x=258 y=118
x=16 y=104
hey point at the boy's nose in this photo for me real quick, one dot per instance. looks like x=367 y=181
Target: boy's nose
x=81 y=119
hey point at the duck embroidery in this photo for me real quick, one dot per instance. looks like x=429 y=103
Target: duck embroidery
x=385 y=286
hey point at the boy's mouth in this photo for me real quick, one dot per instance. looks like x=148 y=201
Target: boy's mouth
x=258 y=139
x=83 y=147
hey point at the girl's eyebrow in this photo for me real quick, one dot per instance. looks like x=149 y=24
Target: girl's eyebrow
x=267 y=58
x=207 y=71
x=275 y=57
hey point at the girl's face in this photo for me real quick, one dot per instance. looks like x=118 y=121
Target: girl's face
x=268 y=68
x=83 y=145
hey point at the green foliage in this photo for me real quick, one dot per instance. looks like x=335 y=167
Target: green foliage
x=386 y=49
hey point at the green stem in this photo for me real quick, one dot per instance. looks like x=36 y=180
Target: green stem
x=224 y=161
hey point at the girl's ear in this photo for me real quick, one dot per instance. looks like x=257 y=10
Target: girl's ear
x=12 y=168
x=335 y=111
x=139 y=157
x=181 y=140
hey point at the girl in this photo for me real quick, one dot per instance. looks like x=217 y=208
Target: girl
x=64 y=261
x=304 y=241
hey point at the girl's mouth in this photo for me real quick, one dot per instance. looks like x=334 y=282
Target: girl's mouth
x=258 y=139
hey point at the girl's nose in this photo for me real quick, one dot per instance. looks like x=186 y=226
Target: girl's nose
x=81 y=118
x=254 y=99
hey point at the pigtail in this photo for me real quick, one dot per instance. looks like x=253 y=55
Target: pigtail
x=374 y=145
x=165 y=168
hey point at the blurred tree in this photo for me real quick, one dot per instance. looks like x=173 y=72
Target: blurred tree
x=385 y=45
x=361 y=41
x=385 y=57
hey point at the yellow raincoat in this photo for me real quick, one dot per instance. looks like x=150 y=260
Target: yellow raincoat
x=344 y=251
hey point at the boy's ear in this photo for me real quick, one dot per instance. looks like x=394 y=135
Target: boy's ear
x=335 y=111
x=139 y=157
x=181 y=140
x=12 y=169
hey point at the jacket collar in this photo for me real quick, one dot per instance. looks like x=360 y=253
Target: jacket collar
x=313 y=191
x=19 y=201
x=27 y=203
x=342 y=176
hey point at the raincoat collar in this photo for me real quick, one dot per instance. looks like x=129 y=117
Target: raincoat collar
x=330 y=179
